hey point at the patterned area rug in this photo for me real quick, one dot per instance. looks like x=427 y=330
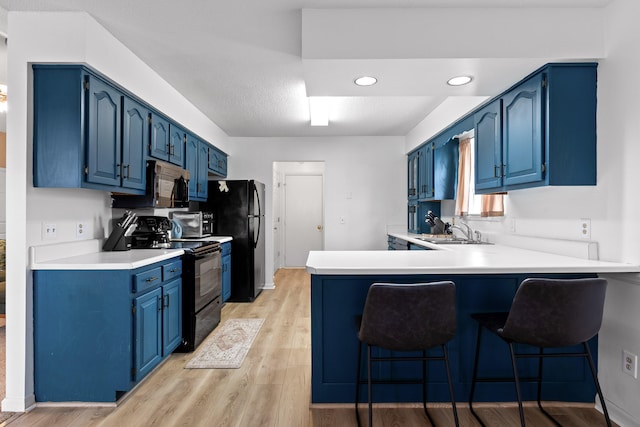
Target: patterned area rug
x=227 y=346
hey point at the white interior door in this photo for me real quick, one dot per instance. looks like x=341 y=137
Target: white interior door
x=303 y=218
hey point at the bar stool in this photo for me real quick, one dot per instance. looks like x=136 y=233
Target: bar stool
x=546 y=313
x=407 y=317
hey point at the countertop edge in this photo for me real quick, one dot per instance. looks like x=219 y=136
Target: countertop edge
x=93 y=262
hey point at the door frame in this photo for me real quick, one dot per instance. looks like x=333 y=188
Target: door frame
x=280 y=171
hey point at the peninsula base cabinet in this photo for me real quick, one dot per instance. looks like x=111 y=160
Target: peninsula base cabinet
x=336 y=300
x=97 y=333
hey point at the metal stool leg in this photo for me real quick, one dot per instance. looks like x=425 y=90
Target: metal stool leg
x=453 y=397
x=424 y=387
x=517 y=382
x=595 y=380
x=359 y=367
x=548 y=415
x=475 y=376
x=369 y=388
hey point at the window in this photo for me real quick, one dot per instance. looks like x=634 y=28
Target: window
x=467 y=202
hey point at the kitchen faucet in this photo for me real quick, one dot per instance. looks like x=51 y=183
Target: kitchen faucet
x=467 y=231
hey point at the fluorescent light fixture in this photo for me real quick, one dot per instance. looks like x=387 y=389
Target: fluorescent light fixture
x=459 y=80
x=365 y=81
x=319 y=110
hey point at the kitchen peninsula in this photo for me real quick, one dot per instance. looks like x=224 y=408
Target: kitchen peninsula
x=486 y=278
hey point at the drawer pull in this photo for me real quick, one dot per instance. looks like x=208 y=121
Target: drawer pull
x=151 y=279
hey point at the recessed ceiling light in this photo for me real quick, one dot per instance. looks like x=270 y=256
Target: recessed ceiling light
x=459 y=80
x=365 y=81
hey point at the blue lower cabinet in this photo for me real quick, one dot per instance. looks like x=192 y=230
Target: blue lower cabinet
x=148 y=332
x=337 y=299
x=171 y=316
x=226 y=271
x=97 y=333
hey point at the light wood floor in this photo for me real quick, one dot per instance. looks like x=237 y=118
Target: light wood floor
x=272 y=388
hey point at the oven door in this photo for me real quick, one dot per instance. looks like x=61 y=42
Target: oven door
x=208 y=278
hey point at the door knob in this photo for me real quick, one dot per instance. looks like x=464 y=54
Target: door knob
x=319 y=228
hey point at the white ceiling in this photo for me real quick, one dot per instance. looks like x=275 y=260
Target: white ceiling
x=250 y=65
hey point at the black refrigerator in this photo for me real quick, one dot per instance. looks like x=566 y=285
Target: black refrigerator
x=238 y=211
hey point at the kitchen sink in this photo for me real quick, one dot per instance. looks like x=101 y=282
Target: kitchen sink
x=452 y=241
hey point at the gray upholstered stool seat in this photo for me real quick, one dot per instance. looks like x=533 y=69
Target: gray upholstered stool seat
x=546 y=313
x=405 y=318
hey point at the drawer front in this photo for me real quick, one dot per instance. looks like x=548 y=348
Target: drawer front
x=147 y=279
x=225 y=248
x=172 y=270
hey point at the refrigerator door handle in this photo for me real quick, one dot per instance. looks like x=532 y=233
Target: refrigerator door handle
x=255 y=242
x=257 y=198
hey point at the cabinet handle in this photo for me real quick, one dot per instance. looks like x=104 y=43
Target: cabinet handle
x=127 y=167
x=166 y=298
x=160 y=304
x=118 y=170
x=151 y=279
x=496 y=173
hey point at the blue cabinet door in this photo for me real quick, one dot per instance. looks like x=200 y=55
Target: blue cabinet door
x=159 y=142
x=135 y=134
x=488 y=147
x=425 y=173
x=191 y=164
x=217 y=162
x=203 y=160
x=523 y=132
x=196 y=162
x=176 y=145
x=103 y=142
x=171 y=316
x=148 y=332
x=413 y=174
x=226 y=277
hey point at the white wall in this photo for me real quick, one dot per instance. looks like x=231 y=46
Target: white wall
x=364 y=178
x=75 y=38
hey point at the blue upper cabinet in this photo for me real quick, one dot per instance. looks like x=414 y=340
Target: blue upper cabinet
x=432 y=171
x=90 y=133
x=176 y=145
x=488 y=145
x=425 y=172
x=135 y=134
x=103 y=130
x=413 y=174
x=522 y=130
x=196 y=161
x=159 y=143
x=167 y=141
x=545 y=129
x=217 y=162
x=78 y=138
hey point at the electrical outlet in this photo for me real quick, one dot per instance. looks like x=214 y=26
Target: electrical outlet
x=49 y=231
x=342 y=220
x=585 y=228
x=630 y=363
x=81 y=231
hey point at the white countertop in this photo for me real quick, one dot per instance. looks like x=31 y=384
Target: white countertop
x=117 y=260
x=456 y=259
x=88 y=255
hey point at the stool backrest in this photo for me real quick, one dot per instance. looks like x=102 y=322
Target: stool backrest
x=556 y=312
x=407 y=317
